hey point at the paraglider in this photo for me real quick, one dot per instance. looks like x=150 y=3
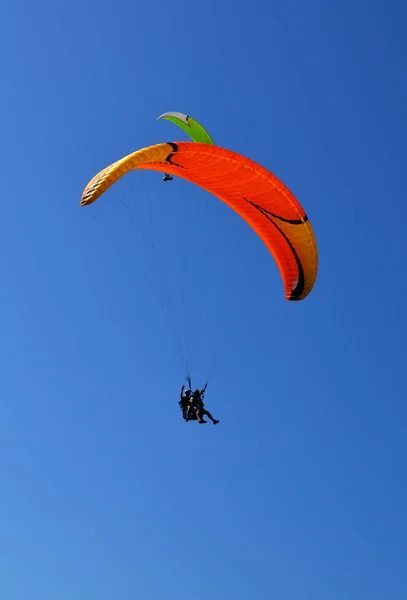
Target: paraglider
x=192 y=406
x=185 y=401
x=195 y=130
x=191 y=127
x=261 y=199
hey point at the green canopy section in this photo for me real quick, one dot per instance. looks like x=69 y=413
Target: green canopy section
x=191 y=127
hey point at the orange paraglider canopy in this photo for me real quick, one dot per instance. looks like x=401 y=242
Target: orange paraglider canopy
x=253 y=192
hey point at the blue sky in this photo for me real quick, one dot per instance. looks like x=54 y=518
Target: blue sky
x=300 y=491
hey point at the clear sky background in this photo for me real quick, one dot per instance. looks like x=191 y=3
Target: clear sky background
x=300 y=492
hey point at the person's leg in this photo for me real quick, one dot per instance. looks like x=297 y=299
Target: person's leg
x=199 y=414
x=208 y=414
